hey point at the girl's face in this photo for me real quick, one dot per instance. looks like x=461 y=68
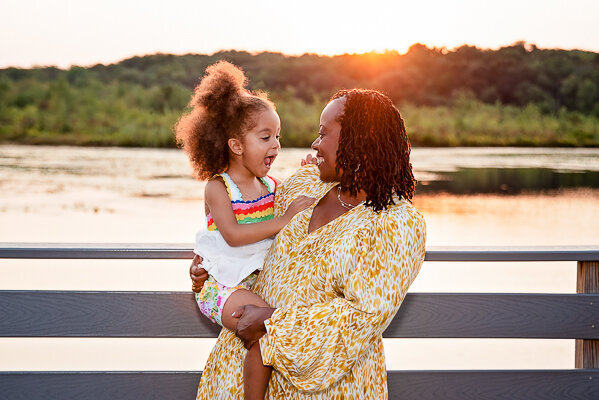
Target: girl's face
x=260 y=145
x=327 y=142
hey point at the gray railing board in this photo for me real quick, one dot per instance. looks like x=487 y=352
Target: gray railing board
x=175 y=314
x=497 y=315
x=102 y=314
x=123 y=251
x=573 y=384
x=183 y=251
x=99 y=385
x=512 y=253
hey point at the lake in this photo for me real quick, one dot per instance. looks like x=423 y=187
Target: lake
x=469 y=196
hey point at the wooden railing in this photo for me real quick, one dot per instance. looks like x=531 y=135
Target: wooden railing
x=26 y=313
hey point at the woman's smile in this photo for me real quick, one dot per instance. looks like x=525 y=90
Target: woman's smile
x=327 y=142
x=319 y=159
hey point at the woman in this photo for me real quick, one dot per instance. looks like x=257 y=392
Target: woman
x=336 y=275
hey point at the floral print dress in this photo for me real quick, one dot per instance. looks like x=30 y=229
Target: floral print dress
x=335 y=290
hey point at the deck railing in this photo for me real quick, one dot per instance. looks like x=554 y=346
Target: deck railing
x=50 y=313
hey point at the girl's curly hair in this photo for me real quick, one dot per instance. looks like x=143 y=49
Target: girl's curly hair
x=221 y=109
x=374 y=149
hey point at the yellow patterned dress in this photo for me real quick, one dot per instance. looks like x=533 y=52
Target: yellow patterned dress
x=336 y=289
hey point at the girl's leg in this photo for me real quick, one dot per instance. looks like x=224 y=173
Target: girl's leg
x=255 y=374
x=238 y=298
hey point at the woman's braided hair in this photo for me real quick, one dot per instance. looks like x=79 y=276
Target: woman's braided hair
x=221 y=109
x=374 y=149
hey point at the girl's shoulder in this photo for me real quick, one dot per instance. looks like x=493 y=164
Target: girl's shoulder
x=223 y=180
x=215 y=186
x=270 y=182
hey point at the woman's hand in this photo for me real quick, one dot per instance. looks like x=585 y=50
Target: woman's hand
x=197 y=274
x=250 y=326
x=310 y=159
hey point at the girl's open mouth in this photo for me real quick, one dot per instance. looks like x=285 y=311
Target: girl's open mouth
x=269 y=160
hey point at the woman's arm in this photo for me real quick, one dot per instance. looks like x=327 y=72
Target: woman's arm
x=314 y=346
x=235 y=234
x=197 y=274
x=250 y=327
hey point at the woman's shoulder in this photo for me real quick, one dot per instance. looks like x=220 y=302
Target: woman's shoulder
x=305 y=174
x=405 y=209
x=397 y=232
x=400 y=216
x=306 y=181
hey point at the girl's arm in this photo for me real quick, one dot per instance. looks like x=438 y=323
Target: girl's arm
x=235 y=234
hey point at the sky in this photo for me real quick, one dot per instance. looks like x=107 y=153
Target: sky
x=82 y=32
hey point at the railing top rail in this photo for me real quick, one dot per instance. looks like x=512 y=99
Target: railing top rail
x=183 y=251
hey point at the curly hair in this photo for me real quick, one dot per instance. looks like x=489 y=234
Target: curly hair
x=221 y=109
x=374 y=149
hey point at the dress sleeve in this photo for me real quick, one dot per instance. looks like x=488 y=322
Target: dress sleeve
x=314 y=346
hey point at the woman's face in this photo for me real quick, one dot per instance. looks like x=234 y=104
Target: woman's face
x=327 y=142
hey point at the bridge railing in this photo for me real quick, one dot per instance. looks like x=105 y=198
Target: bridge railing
x=142 y=314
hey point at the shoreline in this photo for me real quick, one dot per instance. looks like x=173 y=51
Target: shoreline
x=76 y=144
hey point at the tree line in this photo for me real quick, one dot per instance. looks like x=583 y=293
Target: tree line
x=516 y=95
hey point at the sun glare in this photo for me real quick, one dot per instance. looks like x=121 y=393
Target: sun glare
x=81 y=33
x=378 y=27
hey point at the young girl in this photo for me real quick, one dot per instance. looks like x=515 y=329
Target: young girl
x=232 y=138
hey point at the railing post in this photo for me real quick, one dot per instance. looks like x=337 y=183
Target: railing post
x=587 y=350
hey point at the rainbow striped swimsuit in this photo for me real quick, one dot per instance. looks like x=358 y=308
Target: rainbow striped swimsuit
x=232 y=268
x=248 y=212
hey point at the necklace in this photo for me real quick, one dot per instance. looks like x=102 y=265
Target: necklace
x=345 y=205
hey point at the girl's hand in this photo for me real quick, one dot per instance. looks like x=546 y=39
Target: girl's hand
x=197 y=274
x=250 y=327
x=299 y=204
x=310 y=159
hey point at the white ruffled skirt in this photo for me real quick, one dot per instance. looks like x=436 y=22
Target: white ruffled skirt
x=229 y=265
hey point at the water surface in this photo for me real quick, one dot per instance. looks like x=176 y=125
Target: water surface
x=469 y=196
